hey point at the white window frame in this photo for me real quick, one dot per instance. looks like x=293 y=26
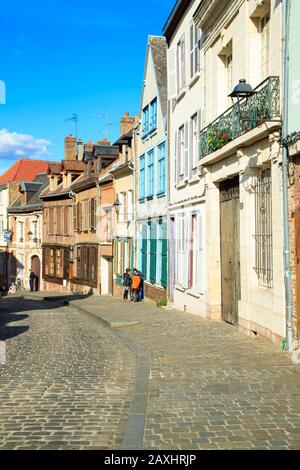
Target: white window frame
x=181 y=72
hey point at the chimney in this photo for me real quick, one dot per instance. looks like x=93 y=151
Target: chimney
x=80 y=150
x=126 y=124
x=89 y=146
x=103 y=142
x=70 y=148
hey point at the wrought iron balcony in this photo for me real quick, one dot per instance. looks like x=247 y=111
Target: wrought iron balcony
x=242 y=117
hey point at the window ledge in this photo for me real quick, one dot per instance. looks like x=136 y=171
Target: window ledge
x=181 y=184
x=161 y=194
x=181 y=94
x=180 y=288
x=194 y=179
x=194 y=80
x=193 y=293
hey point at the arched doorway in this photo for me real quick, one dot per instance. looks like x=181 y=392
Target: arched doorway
x=36 y=268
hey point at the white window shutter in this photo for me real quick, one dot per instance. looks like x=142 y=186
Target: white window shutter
x=172 y=85
x=183 y=70
x=200 y=257
x=176 y=172
x=200 y=116
x=186 y=150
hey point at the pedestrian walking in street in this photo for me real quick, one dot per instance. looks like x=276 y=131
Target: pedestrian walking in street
x=127 y=282
x=136 y=282
x=31 y=280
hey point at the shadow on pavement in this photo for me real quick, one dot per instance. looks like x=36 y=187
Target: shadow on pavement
x=12 y=309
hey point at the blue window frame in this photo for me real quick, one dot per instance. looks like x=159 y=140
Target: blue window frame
x=142 y=178
x=146 y=121
x=161 y=169
x=150 y=189
x=153 y=115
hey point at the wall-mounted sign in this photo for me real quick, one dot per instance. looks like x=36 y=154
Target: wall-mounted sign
x=7 y=236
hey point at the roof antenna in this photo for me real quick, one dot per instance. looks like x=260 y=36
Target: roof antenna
x=107 y=123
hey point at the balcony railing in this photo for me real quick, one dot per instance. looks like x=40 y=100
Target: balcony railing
x=242 y=117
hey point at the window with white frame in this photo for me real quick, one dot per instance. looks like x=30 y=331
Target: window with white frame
x=264 y=29
x=20 y=266
x=181 y=263
x=122 y=209
x=194 y=50
x=161 y=169
x=130 y=205
x=150 y=168
x=181 y=64
x=194 y=143
x=181 y=143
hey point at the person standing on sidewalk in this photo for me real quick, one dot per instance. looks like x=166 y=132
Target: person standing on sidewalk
x=141 y=288
x=31 y=280
x=136 y=282
x=127 y=282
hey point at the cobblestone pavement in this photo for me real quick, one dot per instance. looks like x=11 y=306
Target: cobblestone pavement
x=67 y=383
x=214 y=388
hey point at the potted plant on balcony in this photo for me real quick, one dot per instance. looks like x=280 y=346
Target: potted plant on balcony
x=217 y=138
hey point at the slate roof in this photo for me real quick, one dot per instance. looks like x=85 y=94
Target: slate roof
x=158 y=45
x=124 y=138
x=24 y=170
x=106 y=150
x=34 y=191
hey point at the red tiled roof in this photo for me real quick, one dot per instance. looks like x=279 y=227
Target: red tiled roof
x=24 y=170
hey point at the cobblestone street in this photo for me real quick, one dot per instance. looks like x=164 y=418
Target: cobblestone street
x=71 y=382
x=67 y=383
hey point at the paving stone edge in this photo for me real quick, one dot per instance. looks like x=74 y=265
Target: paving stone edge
x=133 y=435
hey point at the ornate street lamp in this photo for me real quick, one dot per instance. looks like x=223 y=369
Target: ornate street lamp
x=242 y=90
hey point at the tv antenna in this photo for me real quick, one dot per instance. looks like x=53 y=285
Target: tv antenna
x=75 y=119
x=107 y=122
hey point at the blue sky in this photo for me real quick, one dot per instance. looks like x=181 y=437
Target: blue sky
x=68 y=57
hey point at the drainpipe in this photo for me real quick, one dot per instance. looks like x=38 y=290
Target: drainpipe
x=132 y=166
x=285 y=165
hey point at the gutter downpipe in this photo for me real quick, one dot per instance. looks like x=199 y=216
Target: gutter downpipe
x=285 y=164
x=133 y=167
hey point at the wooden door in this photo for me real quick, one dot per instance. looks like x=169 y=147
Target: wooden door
x=36 y=268
x=230 y=249
x=297 y=233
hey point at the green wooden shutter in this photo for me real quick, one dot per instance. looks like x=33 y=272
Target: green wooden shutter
x=153 y=248
x=144 y=251
x=164 y=268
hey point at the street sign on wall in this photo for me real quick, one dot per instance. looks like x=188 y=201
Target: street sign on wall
x=7 y=236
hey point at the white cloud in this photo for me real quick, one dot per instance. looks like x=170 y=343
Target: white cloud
x=14 y=146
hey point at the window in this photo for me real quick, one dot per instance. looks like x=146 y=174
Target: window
x=264 y=28
x=66 y=220
x=92 y=215
x=145 y=121
x=87 y=257
x=194 y=50
x=194 y=144
x=108 y=231
x=161 y=176
x=123 y=209
x=181 y=65
x=181 y=251
x=153 y=115
x=263 y=229
x=35 y=231
x=181 y=153
x=130 y=205
x=51 y=221
x=21 y=232
x=150 y=190
x=142 y=178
